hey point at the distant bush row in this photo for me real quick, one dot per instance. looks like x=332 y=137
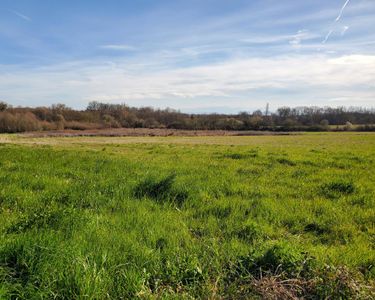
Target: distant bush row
x=102 y=115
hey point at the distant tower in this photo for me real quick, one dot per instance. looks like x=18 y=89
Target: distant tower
x=267 y=108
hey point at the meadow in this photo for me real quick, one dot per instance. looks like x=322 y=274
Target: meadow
x=227 y=217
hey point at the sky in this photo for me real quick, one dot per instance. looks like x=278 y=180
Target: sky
x=198 y=56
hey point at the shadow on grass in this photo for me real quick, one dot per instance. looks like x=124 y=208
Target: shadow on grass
x=162 y=190
x=336 y=189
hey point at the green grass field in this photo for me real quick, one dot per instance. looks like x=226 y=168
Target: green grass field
x=188 y=217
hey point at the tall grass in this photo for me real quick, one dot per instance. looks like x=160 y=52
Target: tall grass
x=282 y=219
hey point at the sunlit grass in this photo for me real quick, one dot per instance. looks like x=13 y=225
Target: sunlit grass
x=101 y=218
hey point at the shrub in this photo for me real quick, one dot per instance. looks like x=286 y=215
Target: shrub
x=60 y=122
x=110 y=121
x=3 y=106
x=18 y=122
x=348 y=126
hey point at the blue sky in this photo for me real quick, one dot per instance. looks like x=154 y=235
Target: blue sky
x=196 y=55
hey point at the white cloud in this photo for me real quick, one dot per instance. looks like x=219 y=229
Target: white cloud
x=319 y=77
x=118 y=47
x=355 y=60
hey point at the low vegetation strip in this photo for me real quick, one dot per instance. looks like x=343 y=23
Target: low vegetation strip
x=266 y=217
x=118 y=132
x=111 y=116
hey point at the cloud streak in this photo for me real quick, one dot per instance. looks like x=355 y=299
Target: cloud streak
x=122 y=47
x=299 y=37
x=22 y=16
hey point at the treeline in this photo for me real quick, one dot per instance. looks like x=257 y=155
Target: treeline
x=102 y=115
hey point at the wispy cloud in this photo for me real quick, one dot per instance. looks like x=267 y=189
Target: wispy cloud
x=20 y=15
x=299 y=37
x=344 y=30
x=118 y=47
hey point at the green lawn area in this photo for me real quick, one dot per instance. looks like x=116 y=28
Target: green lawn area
x=187 y=217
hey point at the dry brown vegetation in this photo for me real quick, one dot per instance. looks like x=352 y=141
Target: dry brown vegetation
x=111 y=116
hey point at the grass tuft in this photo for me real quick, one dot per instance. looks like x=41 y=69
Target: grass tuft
x=161 y=190
x=337 y=188
x=285 y=161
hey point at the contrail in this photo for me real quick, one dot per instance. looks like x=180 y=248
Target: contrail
x=327 y=36
x=336 y=20
x=342 y=11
